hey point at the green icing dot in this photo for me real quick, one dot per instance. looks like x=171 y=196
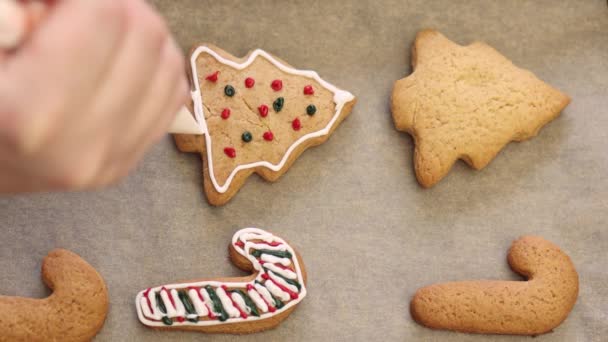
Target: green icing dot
x=247 y=137
x=311 y=110
x=229 y=91
x=278 y=104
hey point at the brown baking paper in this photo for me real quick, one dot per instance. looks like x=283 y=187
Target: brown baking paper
x=368 y=233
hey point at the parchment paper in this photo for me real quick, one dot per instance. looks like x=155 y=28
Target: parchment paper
x=368 y=233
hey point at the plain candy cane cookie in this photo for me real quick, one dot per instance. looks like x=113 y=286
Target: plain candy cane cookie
x=258 y=114
x=74 y=312
x=232 y=305
x=531 y=307
x=467 y=102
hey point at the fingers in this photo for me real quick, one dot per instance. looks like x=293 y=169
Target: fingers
x=12 y=24
x=91 y=96
x=167 y=93
x=73 y=57
x=36 y=12
x=148 y=100
x=137 y=63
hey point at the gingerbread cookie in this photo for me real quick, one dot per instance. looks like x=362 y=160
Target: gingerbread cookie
x=74 y=312
x=232 y=305
x=531 y=307
x=467 y=102
x=258 y=115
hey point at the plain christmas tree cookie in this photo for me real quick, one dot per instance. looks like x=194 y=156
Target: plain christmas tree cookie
x=467 y=102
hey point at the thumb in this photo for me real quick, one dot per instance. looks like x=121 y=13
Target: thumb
x=13 y=24
x=17 y=21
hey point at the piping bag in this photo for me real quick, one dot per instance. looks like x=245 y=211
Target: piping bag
x=15 y=24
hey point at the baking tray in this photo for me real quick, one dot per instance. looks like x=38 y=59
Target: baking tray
x=368 y=233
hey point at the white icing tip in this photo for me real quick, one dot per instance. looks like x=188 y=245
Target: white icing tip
x=185 y=123
x=343 y=96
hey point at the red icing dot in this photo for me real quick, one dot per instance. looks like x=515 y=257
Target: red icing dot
x=263 y=109
x=230 y=152
x=213 y=77
x=249 y=287
x=277 y=85
x=309 y=90
x=249 y=82
x=180 y=319
x=268 y=136
x=226 y=113
x=296 y=124
x=271 y=308
x=239 y=243
x=265 y=276
x=225 y=288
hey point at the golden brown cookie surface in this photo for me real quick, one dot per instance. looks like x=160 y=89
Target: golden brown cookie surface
x=232 y=305
x=467 y=102
x=260 y=114
x=531 y=307
x=74 y=312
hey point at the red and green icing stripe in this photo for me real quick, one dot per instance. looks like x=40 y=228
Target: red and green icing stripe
x=241 y=244
x=241 y=312
x=292 y=294
x=270 y=306
x=279 y=254
x=148 y=299
x=198 y=293
x=262 y=262
x=179 y=319
x=161 y=306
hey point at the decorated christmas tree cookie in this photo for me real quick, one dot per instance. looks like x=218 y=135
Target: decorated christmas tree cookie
x=258 y=114
x=232 y=305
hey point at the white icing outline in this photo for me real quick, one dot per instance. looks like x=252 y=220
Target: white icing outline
x=341 y=97
x=262 y=235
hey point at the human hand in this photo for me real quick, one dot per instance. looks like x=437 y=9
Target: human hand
x=95 y=84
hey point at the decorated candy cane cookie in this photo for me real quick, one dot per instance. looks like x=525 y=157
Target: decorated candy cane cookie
x=258 y=114
x=530 y=307
x=74 y=312
x=232 y=305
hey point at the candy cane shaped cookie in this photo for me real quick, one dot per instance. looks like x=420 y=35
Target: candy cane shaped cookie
x=531 y=307
x=74 y=312
x=232 y=305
